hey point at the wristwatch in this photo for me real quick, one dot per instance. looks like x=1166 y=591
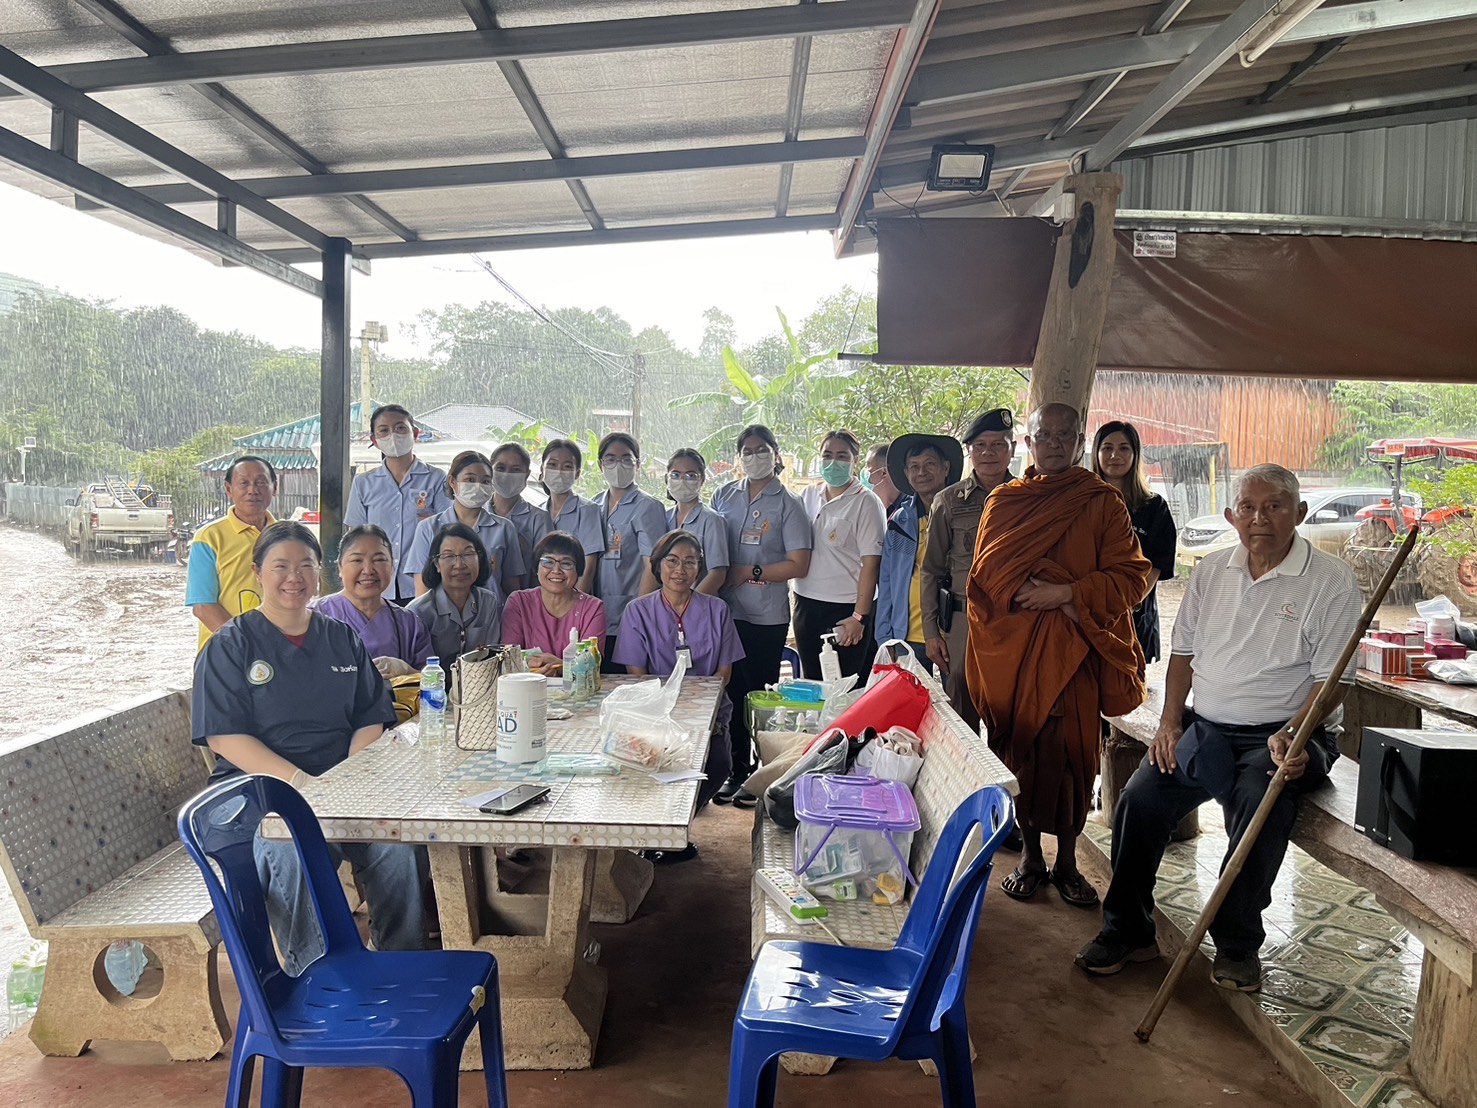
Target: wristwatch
x=859 y=617
x=758 y=572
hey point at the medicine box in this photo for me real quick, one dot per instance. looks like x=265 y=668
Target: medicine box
x=854 y=836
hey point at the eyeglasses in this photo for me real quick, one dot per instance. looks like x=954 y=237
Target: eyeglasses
x=565 y=564
x=454 y=559
x=692 y=565
x=1055 y=438
x=686 y=478
x=979 y=446
x=762 y=452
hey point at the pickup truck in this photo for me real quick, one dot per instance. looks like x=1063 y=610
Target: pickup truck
x=114 y=515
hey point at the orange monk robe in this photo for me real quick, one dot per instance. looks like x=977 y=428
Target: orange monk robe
x=1041 y=680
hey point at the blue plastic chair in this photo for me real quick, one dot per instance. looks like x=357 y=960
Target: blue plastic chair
x=406 y=1011
x=791 y=655
x=907 y=1002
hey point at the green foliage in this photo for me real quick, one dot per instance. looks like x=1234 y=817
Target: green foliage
x=1376 y=410
x=882 y=402
x=173 y=470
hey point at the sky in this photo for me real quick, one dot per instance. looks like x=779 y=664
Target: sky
x=668 y=284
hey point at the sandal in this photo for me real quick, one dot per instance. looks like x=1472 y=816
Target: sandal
x=1076 y=890
x=1022 y=884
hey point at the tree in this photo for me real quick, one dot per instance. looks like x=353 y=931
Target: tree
x=174 y=470
x=882 y=402
x=1374 y=410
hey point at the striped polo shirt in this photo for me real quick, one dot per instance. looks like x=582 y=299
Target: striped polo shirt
x=1258 y=647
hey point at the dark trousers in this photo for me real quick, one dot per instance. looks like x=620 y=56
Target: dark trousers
x=764 y=643
x=1152 y=805
x=814 y=618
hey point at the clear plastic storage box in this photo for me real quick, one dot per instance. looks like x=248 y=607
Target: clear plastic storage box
x=854 y=837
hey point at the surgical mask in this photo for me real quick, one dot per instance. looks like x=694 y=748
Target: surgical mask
x=559 y=481
x=397 y=445
x=619 y=475
x=756 y=467
x=866 y=480
x=836 y=474
x=684 y=492
x=473 y=494
x=510 y=486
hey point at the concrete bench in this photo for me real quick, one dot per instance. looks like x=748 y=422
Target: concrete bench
x=89 y=846
x=956 y=764
x=1437 y=904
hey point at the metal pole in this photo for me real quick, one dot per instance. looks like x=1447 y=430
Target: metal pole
x=638 y=375
x=333 y=461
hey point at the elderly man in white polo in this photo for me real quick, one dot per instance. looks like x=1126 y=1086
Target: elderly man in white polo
x=1259 y=630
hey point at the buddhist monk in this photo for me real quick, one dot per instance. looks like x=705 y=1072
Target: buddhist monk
x=1057 y=572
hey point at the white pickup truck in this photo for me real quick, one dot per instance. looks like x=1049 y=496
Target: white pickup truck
x=114 y=515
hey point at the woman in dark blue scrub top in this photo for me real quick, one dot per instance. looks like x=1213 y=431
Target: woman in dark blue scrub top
x=282 y=690
x=769 y=543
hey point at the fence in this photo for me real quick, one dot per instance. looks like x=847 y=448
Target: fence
x=37 y=505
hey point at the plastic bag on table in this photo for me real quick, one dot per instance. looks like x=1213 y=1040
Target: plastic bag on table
x=1453 y=672
x=906 y=660
x=636 y=724
x=840 y=695
x=1440 y=615
x=895 y=755
x=896 y=698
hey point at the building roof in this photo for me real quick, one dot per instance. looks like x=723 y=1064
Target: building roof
x=473 y=421
x=261 y=130
x=293 y=445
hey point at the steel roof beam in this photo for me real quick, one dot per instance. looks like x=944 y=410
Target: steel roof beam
x=539 y=169
x=508 y=44
x=794 y=108
x=116 y=18
x=481 y=14
x=901 y=66
x=1324 y=51
x=999 y=75
x=43 y=87
x=545 y=239
x=24 y=154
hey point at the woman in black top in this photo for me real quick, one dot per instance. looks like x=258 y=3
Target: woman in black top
x=1118 y=458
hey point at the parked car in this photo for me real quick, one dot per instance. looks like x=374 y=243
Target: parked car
x=1333 y=514
x=116 y=515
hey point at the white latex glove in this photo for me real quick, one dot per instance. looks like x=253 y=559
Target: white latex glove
x=393 y=667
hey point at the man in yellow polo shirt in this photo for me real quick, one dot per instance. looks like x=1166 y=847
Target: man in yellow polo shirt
x=221 y=584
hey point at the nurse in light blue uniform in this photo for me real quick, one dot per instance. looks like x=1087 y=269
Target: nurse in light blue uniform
x=470 y=484
x=568 y=510
x=633 y=522
x=462 y=611
x=686 y=473
x=769 y=543
x=398 y=495
x=510 y=468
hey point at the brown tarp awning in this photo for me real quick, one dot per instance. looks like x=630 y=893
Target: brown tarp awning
x=971 y=292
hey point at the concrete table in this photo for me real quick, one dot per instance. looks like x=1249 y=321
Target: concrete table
x=553 y=990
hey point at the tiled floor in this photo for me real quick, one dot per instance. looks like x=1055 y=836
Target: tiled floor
x=1341 y=976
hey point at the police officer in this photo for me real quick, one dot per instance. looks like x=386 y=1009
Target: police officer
x=953 y=522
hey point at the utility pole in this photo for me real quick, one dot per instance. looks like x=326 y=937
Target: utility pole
x=373 y=333
x=638 y=375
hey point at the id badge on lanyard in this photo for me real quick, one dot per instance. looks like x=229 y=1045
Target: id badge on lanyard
x=683 y=650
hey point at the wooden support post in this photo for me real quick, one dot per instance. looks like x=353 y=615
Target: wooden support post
x=1077 y=299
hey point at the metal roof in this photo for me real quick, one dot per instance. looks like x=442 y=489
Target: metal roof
x=262 y=130
x=473 y=421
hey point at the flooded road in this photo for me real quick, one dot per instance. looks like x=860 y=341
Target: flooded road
x=76 y=638
x=81 y=637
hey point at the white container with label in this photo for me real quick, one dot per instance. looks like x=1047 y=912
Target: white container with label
x=522 y=718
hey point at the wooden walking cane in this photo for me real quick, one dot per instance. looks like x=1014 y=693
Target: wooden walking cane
x=1310 y=723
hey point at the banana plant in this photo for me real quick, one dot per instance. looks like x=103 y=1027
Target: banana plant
x=787 y=403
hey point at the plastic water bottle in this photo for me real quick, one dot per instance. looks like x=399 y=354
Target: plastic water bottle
x=570 y=669
x=830 y=660
x=23 y=985
x=433 y=701
x=125 y=962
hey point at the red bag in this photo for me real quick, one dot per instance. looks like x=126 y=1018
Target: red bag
x=896 y=698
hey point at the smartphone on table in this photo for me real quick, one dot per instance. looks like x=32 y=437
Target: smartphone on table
x=514 y=799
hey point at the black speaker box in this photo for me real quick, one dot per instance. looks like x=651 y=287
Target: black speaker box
x=1417 y=793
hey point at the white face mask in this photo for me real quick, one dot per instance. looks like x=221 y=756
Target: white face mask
x=397 y=445
x=473 y=495
x=510 y=486
x=684 y=492
x=756 y=467
x=558 y=480
x=619 y=475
